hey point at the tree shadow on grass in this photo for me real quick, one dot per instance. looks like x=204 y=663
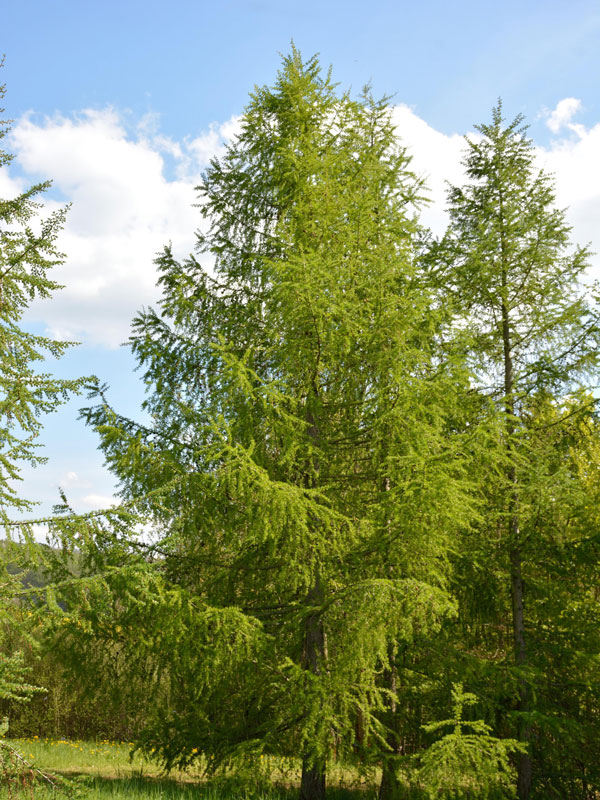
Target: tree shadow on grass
x=165 y=788
x=153 y=787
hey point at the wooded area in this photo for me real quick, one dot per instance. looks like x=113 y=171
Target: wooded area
x=362 y=523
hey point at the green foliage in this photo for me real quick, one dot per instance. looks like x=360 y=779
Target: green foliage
x=467 y=764
x=370 y=474
x=530 y=321
x=25 y=258
x=506 y=262
x=302 y=421
x=27 y=253
x=13 y=685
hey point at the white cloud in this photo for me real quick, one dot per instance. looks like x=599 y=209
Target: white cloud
x=124 y=210
x=71 y=480
x=575 y=163
x=211 y=144
x=125 y=207
x=10 y=186
x=436 y=158
x=98 y=501
x=563 y=113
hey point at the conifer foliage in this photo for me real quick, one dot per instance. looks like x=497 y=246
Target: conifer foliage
x=27 y=253
x=368 y=457
x=520 y=291
x=298 y=405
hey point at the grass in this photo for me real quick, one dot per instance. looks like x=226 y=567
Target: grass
x=106 y=759
x=106 y=769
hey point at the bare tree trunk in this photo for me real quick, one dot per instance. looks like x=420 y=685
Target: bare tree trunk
x=390 y=787
x=312 y=783
x=524 y=763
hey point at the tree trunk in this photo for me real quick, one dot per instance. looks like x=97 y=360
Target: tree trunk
x=524 y=764
x=312 y=784
x=390 y=787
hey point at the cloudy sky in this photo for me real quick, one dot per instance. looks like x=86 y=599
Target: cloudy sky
x=122 y=104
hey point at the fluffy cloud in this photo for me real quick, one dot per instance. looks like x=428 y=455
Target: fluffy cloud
x=575 y=162
x=10 y=186
x=133 y=192
x=71 y=480
x=92 y=501
x=124 y=210
x=563 y=113
x=436 y=159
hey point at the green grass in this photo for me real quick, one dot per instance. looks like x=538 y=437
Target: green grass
x=102 y=759
x=127 y=789
x=107 y=770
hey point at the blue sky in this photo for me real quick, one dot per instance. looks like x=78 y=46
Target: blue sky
x=195 y=62
x=123 y=103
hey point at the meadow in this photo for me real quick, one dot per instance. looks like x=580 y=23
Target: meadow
x=109 y=769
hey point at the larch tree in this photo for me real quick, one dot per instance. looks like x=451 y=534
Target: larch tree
x=521 y=295
x=27 y=254
x=309 y=479
x=563 y=602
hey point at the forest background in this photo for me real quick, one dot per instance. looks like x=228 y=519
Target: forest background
x=343 y=469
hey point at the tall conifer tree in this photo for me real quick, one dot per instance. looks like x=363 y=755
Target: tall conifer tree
x=300 y=415
x=27 y=254
x=535 y=339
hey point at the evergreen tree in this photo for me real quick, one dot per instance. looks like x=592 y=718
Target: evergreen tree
x=563 y=601
x=467 y=764
x=534 y=339
x=300 y=416
x=27 y=254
